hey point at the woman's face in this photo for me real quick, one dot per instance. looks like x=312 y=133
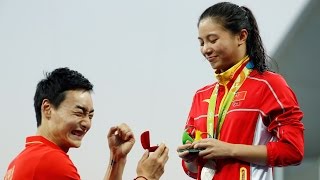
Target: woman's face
x=218 y=45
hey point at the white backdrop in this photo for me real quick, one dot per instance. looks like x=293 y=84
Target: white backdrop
x=142 y=57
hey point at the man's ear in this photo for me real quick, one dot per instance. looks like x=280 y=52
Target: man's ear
x=46 y=109
x=243 y=35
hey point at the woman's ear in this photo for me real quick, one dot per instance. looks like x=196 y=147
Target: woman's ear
x=243 y=35
x=46 y=109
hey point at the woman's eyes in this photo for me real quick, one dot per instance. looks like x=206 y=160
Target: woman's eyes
x=211 y=41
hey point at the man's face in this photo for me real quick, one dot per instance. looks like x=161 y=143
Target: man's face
x=71 y=120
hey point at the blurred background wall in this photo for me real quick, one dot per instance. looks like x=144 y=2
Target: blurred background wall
x=298 y=59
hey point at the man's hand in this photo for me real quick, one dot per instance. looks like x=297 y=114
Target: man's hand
x=151 y=165
x=121 y=140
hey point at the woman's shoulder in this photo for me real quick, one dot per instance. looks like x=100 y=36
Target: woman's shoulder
x=206 y=88
x=268 y=78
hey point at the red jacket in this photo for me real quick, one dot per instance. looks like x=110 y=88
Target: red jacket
x=264 y=111
x=41 y=159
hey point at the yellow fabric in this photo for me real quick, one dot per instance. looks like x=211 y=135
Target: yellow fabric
x=224 y=77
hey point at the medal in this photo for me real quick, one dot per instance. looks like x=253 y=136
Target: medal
x=208 y=170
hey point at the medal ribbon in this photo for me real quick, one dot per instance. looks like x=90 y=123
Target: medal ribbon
x=226 y=101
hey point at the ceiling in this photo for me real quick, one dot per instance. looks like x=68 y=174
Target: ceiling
x=299 y=62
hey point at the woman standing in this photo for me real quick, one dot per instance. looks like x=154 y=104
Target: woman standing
x=250 y=120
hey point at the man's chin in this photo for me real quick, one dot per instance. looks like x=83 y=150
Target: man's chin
x=74 y=143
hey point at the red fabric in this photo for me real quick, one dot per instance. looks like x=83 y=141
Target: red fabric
x=285 y=124
x=266 y=114
x=41 y=159
x=189 y=173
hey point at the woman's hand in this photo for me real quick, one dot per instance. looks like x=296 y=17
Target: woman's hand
x=185 y=154
x=213 y=148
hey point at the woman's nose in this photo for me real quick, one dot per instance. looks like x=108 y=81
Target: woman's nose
x=207 y=49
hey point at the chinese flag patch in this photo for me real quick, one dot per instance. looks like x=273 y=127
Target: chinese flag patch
x=239 y=96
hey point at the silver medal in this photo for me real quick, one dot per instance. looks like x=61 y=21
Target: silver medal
x=208 y=170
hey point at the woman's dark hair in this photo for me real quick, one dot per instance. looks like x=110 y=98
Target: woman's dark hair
x=54 y=86
x=235 y=18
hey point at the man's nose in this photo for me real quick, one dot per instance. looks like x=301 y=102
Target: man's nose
x=85 y=124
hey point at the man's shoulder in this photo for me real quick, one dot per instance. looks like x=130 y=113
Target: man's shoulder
x=43 y=151
x=54 y=157
x=54 y=163
x=42 y=161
